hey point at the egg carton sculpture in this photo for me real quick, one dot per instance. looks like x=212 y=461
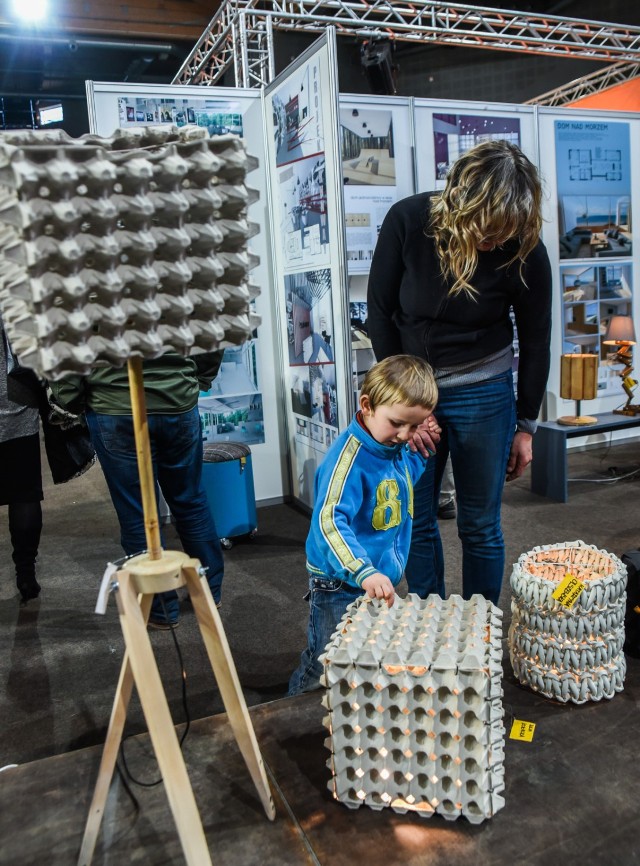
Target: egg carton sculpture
x=415 y=716
x=128 y=245
x=569 y=653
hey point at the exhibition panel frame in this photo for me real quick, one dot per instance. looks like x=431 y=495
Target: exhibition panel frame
x=377 y=162
x=589 y=160
x=308 y=247
x=319 y=229
x=244 y=402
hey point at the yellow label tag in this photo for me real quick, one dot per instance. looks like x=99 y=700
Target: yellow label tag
x=568 y=590
x=522 y=730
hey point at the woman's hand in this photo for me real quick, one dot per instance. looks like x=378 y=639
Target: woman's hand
x=426 y=437
x=520 y=456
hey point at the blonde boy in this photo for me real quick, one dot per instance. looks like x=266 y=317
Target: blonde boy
x=361 y=522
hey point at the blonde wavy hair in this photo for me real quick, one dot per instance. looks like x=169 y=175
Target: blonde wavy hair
x=493 y=194
x=404 y=379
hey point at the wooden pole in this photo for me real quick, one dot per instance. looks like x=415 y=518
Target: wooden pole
x=145 y=465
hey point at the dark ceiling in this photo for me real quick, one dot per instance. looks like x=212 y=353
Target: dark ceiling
x=147 y=42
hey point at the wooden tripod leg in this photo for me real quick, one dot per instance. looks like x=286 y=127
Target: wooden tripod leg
x=224 y=669
x=110 y=752
x=161 y=728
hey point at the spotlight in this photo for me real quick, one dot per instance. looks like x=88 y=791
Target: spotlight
x=355 y=112
x=31 y=12
x=375 y=58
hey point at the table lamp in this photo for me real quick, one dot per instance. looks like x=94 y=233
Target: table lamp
x=621 y=333
x=578 y=381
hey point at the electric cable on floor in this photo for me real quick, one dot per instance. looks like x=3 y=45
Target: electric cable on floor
x=607 y=480
x=183 y=674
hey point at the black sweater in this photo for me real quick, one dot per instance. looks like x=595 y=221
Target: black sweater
x=410 y=310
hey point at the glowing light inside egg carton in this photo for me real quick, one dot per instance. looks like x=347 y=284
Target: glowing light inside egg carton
x=569 y=653
x=131 y=244
x=415 y=707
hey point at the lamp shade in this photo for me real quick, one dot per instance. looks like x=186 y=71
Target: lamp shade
x=620 y=330
x=578 y=376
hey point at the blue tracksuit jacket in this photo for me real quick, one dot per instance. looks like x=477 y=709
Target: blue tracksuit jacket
x=361 y=521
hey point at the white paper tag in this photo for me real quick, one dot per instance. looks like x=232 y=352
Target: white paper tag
x=105 y=588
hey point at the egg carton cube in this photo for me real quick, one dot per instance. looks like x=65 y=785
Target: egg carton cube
x=415 y=715
x=569 y=653
x=131 y=244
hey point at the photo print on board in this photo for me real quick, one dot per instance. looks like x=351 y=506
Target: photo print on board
x=455 y=134
x=303 y=219
x=309 y=317
x=297 y=116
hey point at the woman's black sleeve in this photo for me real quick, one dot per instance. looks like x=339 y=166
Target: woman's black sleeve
x=533 y=320
x=383 y=294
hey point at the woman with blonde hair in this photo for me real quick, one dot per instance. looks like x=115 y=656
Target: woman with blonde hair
x=448 y=268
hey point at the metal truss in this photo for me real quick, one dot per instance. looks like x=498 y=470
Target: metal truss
x=239 y=33
x=617 y=73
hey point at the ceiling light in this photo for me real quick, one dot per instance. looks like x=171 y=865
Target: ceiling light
x=32 y=12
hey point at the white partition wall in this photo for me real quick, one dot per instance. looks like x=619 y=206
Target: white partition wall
x=446 y=129
x=589 y=160
x=377 y=157
x=303 y=166
x=246 y=386
x=331 y=166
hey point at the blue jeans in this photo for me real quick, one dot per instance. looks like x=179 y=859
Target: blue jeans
x=328 y=600
x=176 y=451
x=478 y=424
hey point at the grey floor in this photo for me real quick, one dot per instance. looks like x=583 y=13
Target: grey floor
x=60 y=660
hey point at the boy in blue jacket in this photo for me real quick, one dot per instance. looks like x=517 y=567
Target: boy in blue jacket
x=361 y=522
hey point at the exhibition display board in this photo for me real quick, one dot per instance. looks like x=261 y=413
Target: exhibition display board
x=307 y=217
x=242 y=405
x=330 y=168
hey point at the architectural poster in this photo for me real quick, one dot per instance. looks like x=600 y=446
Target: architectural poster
x=302 y=161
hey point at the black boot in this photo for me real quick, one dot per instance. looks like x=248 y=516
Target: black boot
x=27 y=584
x=25 y=526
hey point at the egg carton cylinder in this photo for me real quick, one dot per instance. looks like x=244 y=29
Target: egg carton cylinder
x=568 y=653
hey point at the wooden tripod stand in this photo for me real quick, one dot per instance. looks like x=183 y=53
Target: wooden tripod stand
x=136 y=583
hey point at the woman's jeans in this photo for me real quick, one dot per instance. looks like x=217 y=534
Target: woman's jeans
x=176 y=452
x=478 y=424
x=328 y=600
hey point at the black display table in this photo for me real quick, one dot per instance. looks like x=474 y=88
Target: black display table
x=549 y=465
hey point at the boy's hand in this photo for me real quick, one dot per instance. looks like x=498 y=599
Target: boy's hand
x=379 y=586
x=426 y=437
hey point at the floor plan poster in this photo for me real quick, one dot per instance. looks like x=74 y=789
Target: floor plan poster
x=369 y=172
x=594 y=189
x=455 y=134
x=297 y=115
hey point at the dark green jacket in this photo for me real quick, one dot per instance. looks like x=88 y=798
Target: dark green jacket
x=171 y=386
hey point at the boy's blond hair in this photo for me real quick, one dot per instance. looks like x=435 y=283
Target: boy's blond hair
x=403 y=379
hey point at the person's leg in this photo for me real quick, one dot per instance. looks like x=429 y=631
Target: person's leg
x=424 y=571
x=328 y=600
x=179 y=460
x=25 y=528
x=481 y=421
x=114 y=440
x=21 y=490
x=447 y=498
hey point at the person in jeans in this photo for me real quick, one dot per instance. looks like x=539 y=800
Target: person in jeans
x=447 y=268
x=361 y=522
x=171 y=386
